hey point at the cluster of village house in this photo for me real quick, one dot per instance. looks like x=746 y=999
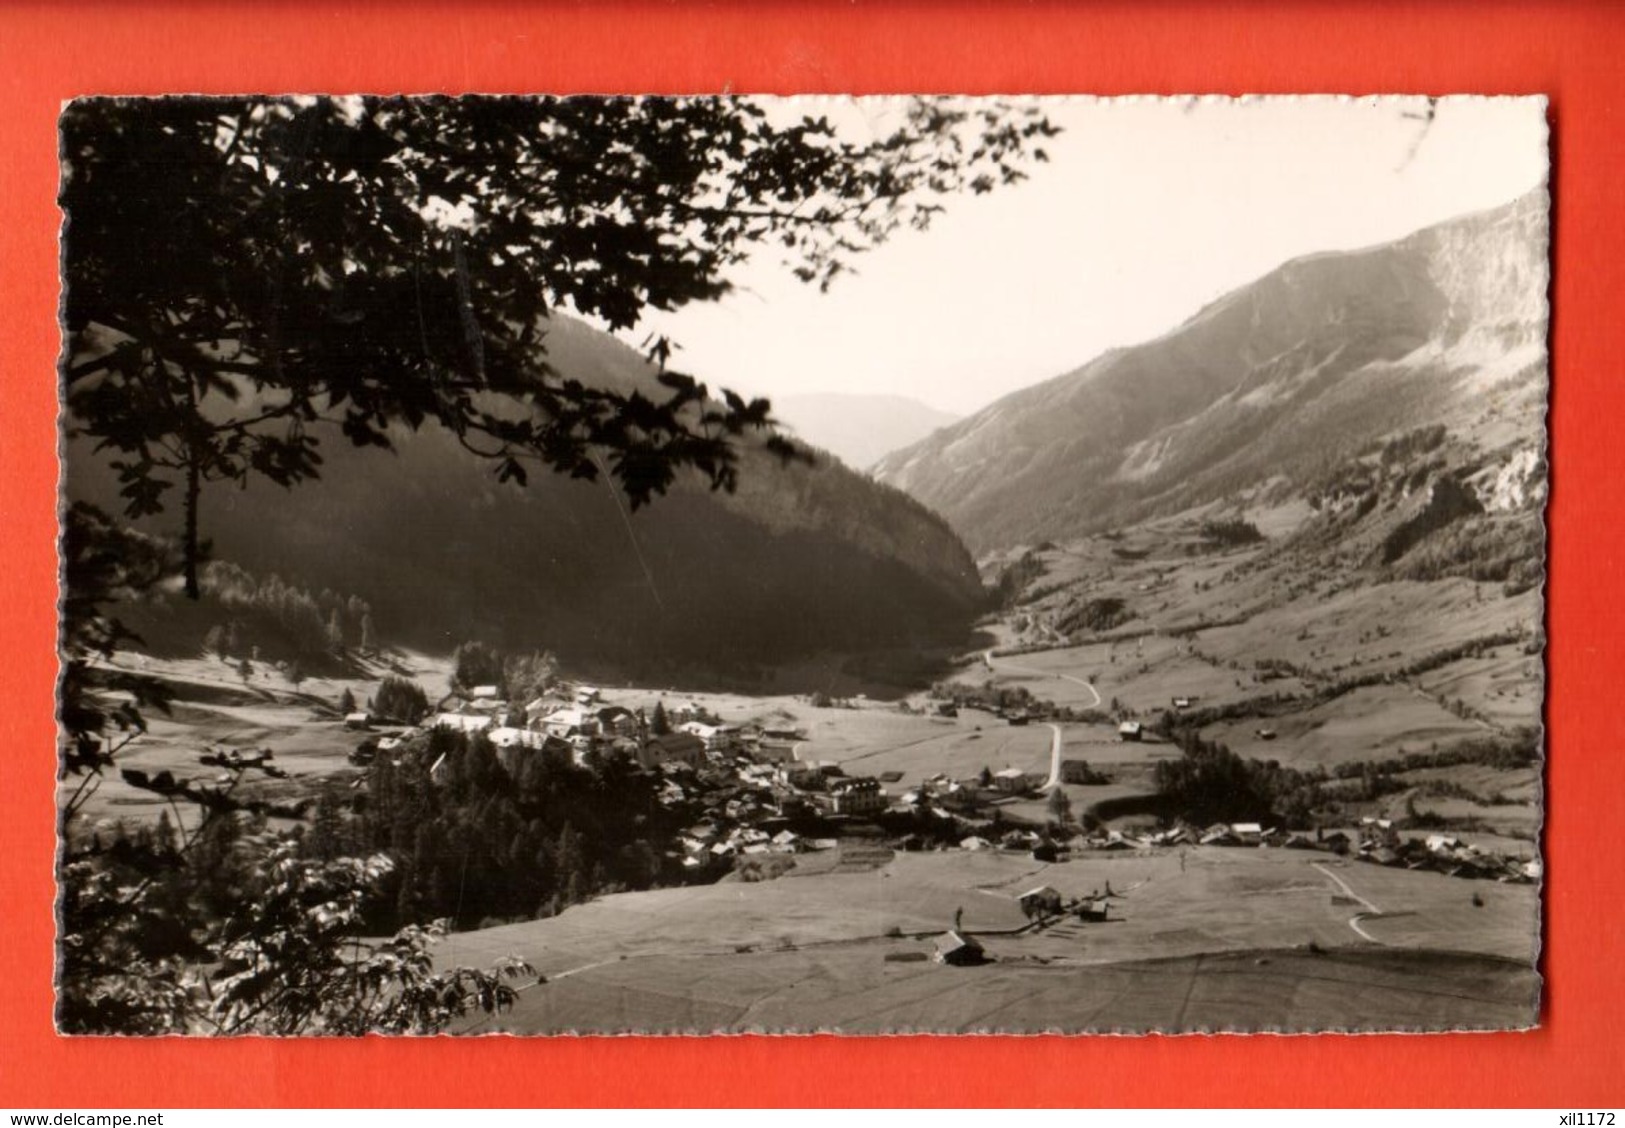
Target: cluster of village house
x=1378 y=841
x=768 y=783
x=1042 y=904
x=1375 y=840
x=577 y=727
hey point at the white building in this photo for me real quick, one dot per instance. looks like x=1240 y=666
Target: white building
x=506 y=737
x=462 y=722
x=570 y=724
x=717 y=738
x=1013 y=780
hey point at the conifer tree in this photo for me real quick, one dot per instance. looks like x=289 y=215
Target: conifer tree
x=1060 y=807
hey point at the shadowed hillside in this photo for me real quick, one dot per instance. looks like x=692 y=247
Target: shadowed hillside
x=801 y=559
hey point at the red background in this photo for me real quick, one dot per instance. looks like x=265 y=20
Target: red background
x=1573 y=52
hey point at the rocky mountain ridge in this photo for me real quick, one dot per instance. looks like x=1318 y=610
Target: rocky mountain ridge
x=1272 y=385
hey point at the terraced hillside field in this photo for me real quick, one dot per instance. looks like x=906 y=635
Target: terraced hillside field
x=1283 y=651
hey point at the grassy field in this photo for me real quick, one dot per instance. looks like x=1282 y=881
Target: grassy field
x=1100 y=744
x=959 y=750
x=1125 y=780
x=214 y=708
x=1288 y=629
x=1520 y=785
x=855 y=990
x=1143 y=675
x=1244 y=940
x=1503 y=685
x=1519 y=818
x=1370 y=723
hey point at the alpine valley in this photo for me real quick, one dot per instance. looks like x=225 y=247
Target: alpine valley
x=1231 y=722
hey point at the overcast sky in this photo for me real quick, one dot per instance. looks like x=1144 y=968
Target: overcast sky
x=1147 y=210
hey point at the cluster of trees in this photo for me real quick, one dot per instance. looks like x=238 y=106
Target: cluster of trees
x=879 y=521
x=1516 y=749
x=1418 y=476
x=1231 y=532
x=1346 y=481
x=908 y=666
x=478 y=845
x=989 y=695
x=1390 y=464
x=1403 y=448
x=1375 y=779
x=1079 y=771
x=399 y=700
x=1472 y=648
x=1450 y=501
x=519 y=678
x=659 y=722
x=1423 y=819
x=274 y=619
x=1327 y=688
x=1210 y=783
x=1059 y=808
x=1508 y=549
x=239 y=615
x=230 y=929
x=1099 y=614
x=1169 y=723
x=1323 y=690
x=922 y=827
x=1014 y=580
x=1270 y=669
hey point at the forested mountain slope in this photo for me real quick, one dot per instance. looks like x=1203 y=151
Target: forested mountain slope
x=802 y=558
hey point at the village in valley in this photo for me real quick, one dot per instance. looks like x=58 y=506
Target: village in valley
x=1021 y=817
x=1211 y=770
x=750 y=783
x=437 y=656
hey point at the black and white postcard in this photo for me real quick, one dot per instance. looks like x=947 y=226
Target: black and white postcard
x=859 y=565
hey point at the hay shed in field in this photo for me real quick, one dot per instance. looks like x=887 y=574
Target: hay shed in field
x=958 y=950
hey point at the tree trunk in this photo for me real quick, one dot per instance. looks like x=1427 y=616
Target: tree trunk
x=190 y=563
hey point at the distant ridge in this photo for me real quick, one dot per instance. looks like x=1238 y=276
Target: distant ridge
x=859 y=429
x=1271 y=383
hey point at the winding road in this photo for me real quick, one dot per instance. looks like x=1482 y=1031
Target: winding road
x=988 y=660
x=1057 y=742
x=1354 y=921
